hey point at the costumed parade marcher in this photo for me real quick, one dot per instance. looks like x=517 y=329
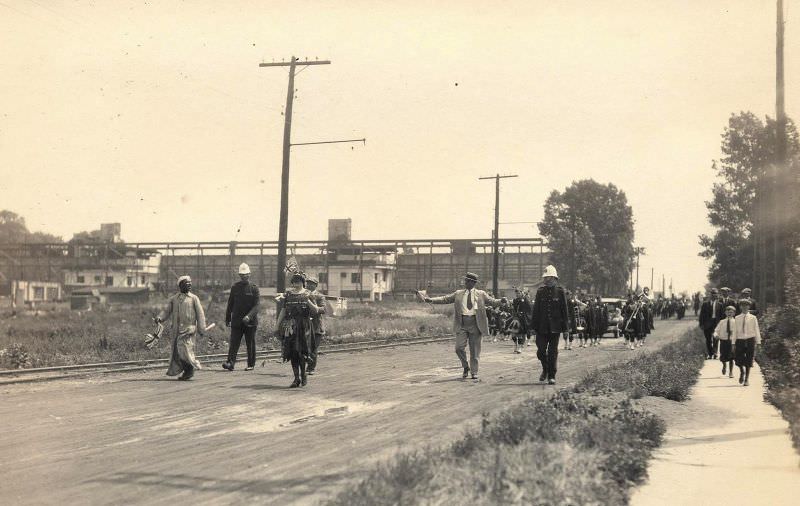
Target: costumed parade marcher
x=711 y=312
x=724 y=334
x=188 y=319
x=241 y=316
x=470 y=323
x=746 y=335
x=294 y=327
x=317 y=323
x=521 y=310
x=635 y=324
x=577 y=321
x=550 y=320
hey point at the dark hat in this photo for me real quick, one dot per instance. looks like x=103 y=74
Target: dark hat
x=471 y=276
x=714 y=291
x=298 y=275
x=312 y=279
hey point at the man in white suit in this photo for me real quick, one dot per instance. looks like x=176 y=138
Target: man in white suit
x=470 y=323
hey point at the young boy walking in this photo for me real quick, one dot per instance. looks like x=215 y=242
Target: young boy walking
x=746 y=336
x=724 y=334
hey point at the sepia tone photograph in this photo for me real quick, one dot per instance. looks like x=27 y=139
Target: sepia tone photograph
x=518 y=252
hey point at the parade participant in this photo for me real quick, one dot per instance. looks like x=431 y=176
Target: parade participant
x=710 y=315
x=601 y=320
x=521 y=306
x=649 y=308
x=188 y=319
x=635 y=323
x=574 y=315
x=746 y=294
x=696 y=302
x=294 y=327
x=724 y=333
x=746 y=336
x=317 y=323
x=241 y=316
x=550 y=318
x=470 y=323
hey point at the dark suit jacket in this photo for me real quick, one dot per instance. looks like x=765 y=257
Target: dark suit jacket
x=243 y=301
x=550 y=311
x=706 y=311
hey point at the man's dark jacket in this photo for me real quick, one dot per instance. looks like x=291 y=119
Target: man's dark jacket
x=705 y=319
x=243 y=301
x=550 y=312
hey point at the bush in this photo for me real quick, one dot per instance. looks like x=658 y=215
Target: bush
x=529 y=453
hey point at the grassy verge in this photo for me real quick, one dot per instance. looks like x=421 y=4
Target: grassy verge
x=584 y=445
x=72 y=337
x=779 y=359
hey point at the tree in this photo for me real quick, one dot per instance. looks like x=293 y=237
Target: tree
x=14 y=230
x=748 y=149
x=589 y=229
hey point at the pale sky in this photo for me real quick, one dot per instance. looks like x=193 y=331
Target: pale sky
x=156 y=114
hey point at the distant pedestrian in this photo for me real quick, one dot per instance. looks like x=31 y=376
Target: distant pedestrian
x=711 y=312
x=470 y=322
x=746 y=336
x=187 y=317
x=724 y=333
x=747 y=294
x=550 y=320
x=241 y=316
x=317 y=323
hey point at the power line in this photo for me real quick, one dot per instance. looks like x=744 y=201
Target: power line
x=495 y=234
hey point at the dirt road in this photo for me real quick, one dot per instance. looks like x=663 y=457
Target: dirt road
x=143 y=438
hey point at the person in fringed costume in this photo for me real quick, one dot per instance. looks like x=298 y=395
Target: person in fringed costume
x=188 y=318
x=294 y=327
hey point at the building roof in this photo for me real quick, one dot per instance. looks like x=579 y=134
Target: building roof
x=110 y=289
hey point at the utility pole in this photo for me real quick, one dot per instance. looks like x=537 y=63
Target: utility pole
x=639 y=251
x=652 y=272
x=496 y=234
x=780 y=225
x=283 y=227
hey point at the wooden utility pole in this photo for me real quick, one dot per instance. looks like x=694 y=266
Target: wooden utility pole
x=283 y=227
x=780 y=194
x=495 y=235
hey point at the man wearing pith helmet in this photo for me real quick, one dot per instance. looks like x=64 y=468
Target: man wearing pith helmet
x=241 y=316
x=550 y=320
x=470 y=323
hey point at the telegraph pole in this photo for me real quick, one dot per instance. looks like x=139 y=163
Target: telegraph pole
x=495 y=238
x=293 y=63
x=780 y=225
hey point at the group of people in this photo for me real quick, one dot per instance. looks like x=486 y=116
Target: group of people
x=730 y=327
x=588 y=320
x=299 y=328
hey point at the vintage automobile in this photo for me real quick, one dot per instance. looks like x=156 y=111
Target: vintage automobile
x=614 y=307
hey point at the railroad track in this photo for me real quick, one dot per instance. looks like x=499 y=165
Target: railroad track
x=40 y=374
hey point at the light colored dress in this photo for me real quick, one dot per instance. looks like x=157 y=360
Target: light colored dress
x=187 y=317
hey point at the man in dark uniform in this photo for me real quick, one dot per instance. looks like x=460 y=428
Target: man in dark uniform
x=725 y=298
x=711 y=312
x=522 y=311
x=317 y=323
x=241 y=316
x=550 y=319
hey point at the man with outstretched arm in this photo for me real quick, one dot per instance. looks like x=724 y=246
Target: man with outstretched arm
x=470 y=323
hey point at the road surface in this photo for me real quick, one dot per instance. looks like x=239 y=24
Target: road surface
x=224 y=438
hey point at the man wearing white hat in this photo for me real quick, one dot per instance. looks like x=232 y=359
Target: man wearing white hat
x=550 y=320
x=242 y=318
x=470 y=322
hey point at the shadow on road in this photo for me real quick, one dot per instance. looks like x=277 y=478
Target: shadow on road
x=300 y=486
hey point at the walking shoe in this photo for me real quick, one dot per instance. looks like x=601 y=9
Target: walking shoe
x=249 y=368
x=730 y=373
x=310 y=372
x=551 y=381
x=542 y=377
x=475 y=377
x=227 y=366
x=466 y=373
x=746 y=383
x=303 y=381
x=295 y=383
